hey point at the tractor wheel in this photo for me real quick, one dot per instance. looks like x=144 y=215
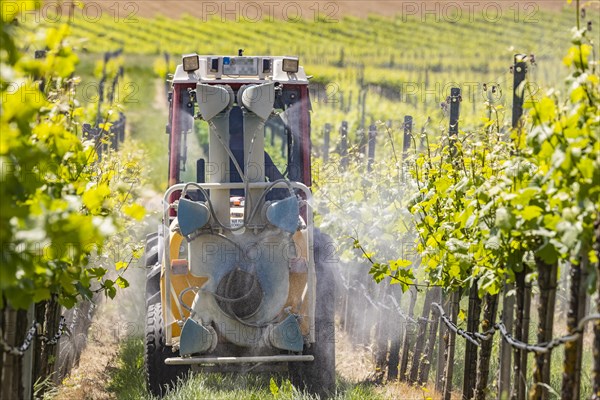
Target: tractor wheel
x=159 y=376
x=151 y=261
x=318 y=377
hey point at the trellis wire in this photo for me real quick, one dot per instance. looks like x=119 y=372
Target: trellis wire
x=476 y=338
x=19 y=351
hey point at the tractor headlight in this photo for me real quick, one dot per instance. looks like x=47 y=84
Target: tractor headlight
x=290 y=64
x=191 y=62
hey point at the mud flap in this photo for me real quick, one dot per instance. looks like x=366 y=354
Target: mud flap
x=195 y=339
x=287 y=335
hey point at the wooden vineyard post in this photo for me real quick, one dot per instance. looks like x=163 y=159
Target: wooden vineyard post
x=10 y=365
x=449 y=368
x=508 y=304
x=381 y=333
x=167 y=84
x=397 y=329
x=360 y=310
x=596 y=345
x=326 y=135
x=44 y=364
x=523 y=289
x=372 y=143
x=547 y=283
x=349 y=105
x=344 y=145
x=522 y=333
x=408 y=125
x=520 y=73
x=350 y=321
x=571 y=382
x=483 y=362
x=455 y=99
x=345 y=300
x=363 y=104
x=421 y=337
x=366 y=311
x=473 y=316
x=408 y=333
x=442 y=344
x=427 y=359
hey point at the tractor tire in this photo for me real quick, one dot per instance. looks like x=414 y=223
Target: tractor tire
x=159 y=376
x=318 y=377
x=152 y=264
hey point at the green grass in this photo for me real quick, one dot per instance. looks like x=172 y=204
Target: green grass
x=127 y=382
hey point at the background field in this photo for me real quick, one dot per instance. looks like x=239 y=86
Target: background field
x=401 y=63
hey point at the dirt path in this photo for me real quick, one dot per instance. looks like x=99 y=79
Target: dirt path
x=89 y=379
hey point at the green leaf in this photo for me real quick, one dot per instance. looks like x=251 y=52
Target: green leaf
x=547 y=253
x=454 y=271
x=84 y=291
x=67 y=301
x=504 y=219
x=41 y=294
x=545 y=111
x=94 y=198
x=120 y=265
x=135 y=211
x=399 y=263
x=379 y=271
x=109 y=288
x=531 y=212
x=122 y=282
x=97 y=272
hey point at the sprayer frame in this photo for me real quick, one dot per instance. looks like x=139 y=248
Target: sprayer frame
x=185 y=82
x=311 y=284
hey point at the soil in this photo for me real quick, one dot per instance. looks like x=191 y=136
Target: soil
x=89 y=379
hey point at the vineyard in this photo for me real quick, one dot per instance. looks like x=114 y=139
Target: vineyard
x=403 y=61
x=455 y=165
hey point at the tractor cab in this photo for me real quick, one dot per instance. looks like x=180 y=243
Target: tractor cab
x=286 y=139
x=232 y=281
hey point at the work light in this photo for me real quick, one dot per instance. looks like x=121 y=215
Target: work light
x=191 y=62
x=290 y=64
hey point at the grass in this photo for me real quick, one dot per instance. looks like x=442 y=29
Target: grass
x=127 y=382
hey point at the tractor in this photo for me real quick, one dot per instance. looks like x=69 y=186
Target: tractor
x=238 y=278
